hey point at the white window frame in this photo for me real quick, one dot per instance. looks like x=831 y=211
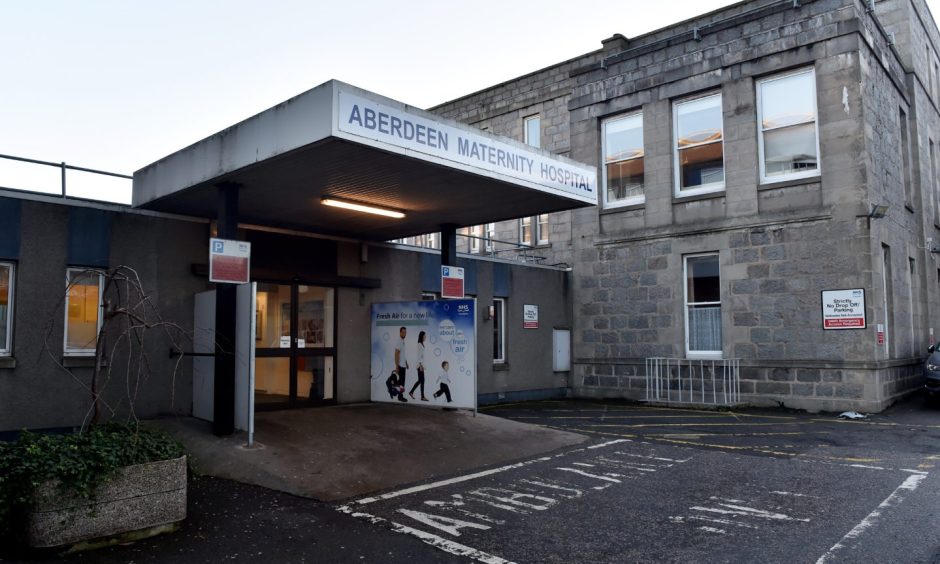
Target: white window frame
x=522 y=221
x=764 y=179
x=677 y=169
x=6 y=347
x=69 y=351
x=489 y=233
x=499 y=305
x=476 y=234
x=541 y=234
x=633 y=200
x=525 y=130
x=685 y=306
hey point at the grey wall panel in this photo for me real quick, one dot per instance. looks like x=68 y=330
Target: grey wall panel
x=10 y=220
x=89 y=237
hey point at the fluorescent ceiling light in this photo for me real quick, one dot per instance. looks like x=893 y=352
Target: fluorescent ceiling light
x=367 y=208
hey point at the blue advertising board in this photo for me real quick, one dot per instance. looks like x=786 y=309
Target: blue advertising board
x=424 y=353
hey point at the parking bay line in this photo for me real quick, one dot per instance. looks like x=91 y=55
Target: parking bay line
x=466 y=477
x=897 y=496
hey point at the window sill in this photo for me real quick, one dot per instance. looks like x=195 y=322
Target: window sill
x=500 y=366
x=80 y=362
x=7 y=362
x=788 y=183
x=617 y=209
x=680 y=199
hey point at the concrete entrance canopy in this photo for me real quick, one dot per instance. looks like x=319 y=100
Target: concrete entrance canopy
x=340 y=141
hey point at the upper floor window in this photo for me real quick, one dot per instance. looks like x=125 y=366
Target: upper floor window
x=525 y=230
x=786 y=113
x=542 y=229
x=489 y=230
x=623 y=160
x=82 y=311
x=476 y=235
x=6 y=308
x=533 y=131
x=699 y=146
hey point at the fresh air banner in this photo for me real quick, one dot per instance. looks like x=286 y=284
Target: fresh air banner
x=424 y=353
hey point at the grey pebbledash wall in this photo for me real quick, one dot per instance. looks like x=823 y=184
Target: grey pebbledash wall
x=780 y=244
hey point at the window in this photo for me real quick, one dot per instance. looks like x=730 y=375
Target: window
x=623 y=160
x=6 y=308
x=82 y=311
x=699 y=147
x=476 y=234
x=499 y=330
x=428 y=296
x=489 y=235
x=532 y=126
x=788 y=140
x=703 y=306
x=542 y=229
x=525 y=230
x=905 y=159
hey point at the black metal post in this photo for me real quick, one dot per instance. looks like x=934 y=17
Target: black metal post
x=223 y=421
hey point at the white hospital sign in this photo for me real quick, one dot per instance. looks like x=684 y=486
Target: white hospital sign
x=843 y=309
x=367 y=118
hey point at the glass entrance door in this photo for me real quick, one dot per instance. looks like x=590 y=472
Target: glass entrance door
x=294 y=357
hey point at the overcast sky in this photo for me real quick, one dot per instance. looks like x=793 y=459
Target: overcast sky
x=116 y=85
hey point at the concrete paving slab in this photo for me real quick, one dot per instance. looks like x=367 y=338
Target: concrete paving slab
x=335 y=453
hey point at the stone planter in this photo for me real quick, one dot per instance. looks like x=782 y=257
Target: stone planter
x=145 y=498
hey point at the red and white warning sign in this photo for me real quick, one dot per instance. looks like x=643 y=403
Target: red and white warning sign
x=229 y=261
x=843 y=309
x=452 y=282
x=530 y=316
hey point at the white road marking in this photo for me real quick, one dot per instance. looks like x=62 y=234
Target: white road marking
x=457 y=480
x=582 y=464
x=910 y=471
x=896 y=497
x=446 y=545
x=867 y=466
x=583 y=473
x=723 y=521
x=748 y=511
x=608 y=443
x=651 y=457
x=712 y=530
x=793 y=494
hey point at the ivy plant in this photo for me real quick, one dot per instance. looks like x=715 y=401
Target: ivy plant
x=78 y=463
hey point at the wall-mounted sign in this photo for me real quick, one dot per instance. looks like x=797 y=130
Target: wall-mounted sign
x=530 y=316
x=405 y=130
x=452 y=282
x=229 y=261
x=843 y=309
x=424 y=353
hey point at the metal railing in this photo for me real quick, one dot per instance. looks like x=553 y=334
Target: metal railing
x=64 y=180
x=485 y=247
x=681 y=380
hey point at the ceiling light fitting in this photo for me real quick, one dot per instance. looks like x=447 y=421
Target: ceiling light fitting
x=365 y=208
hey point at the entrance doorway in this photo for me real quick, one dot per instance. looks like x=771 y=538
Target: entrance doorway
x=295 y=345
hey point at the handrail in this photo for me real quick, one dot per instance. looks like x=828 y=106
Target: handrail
x=64 y=168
